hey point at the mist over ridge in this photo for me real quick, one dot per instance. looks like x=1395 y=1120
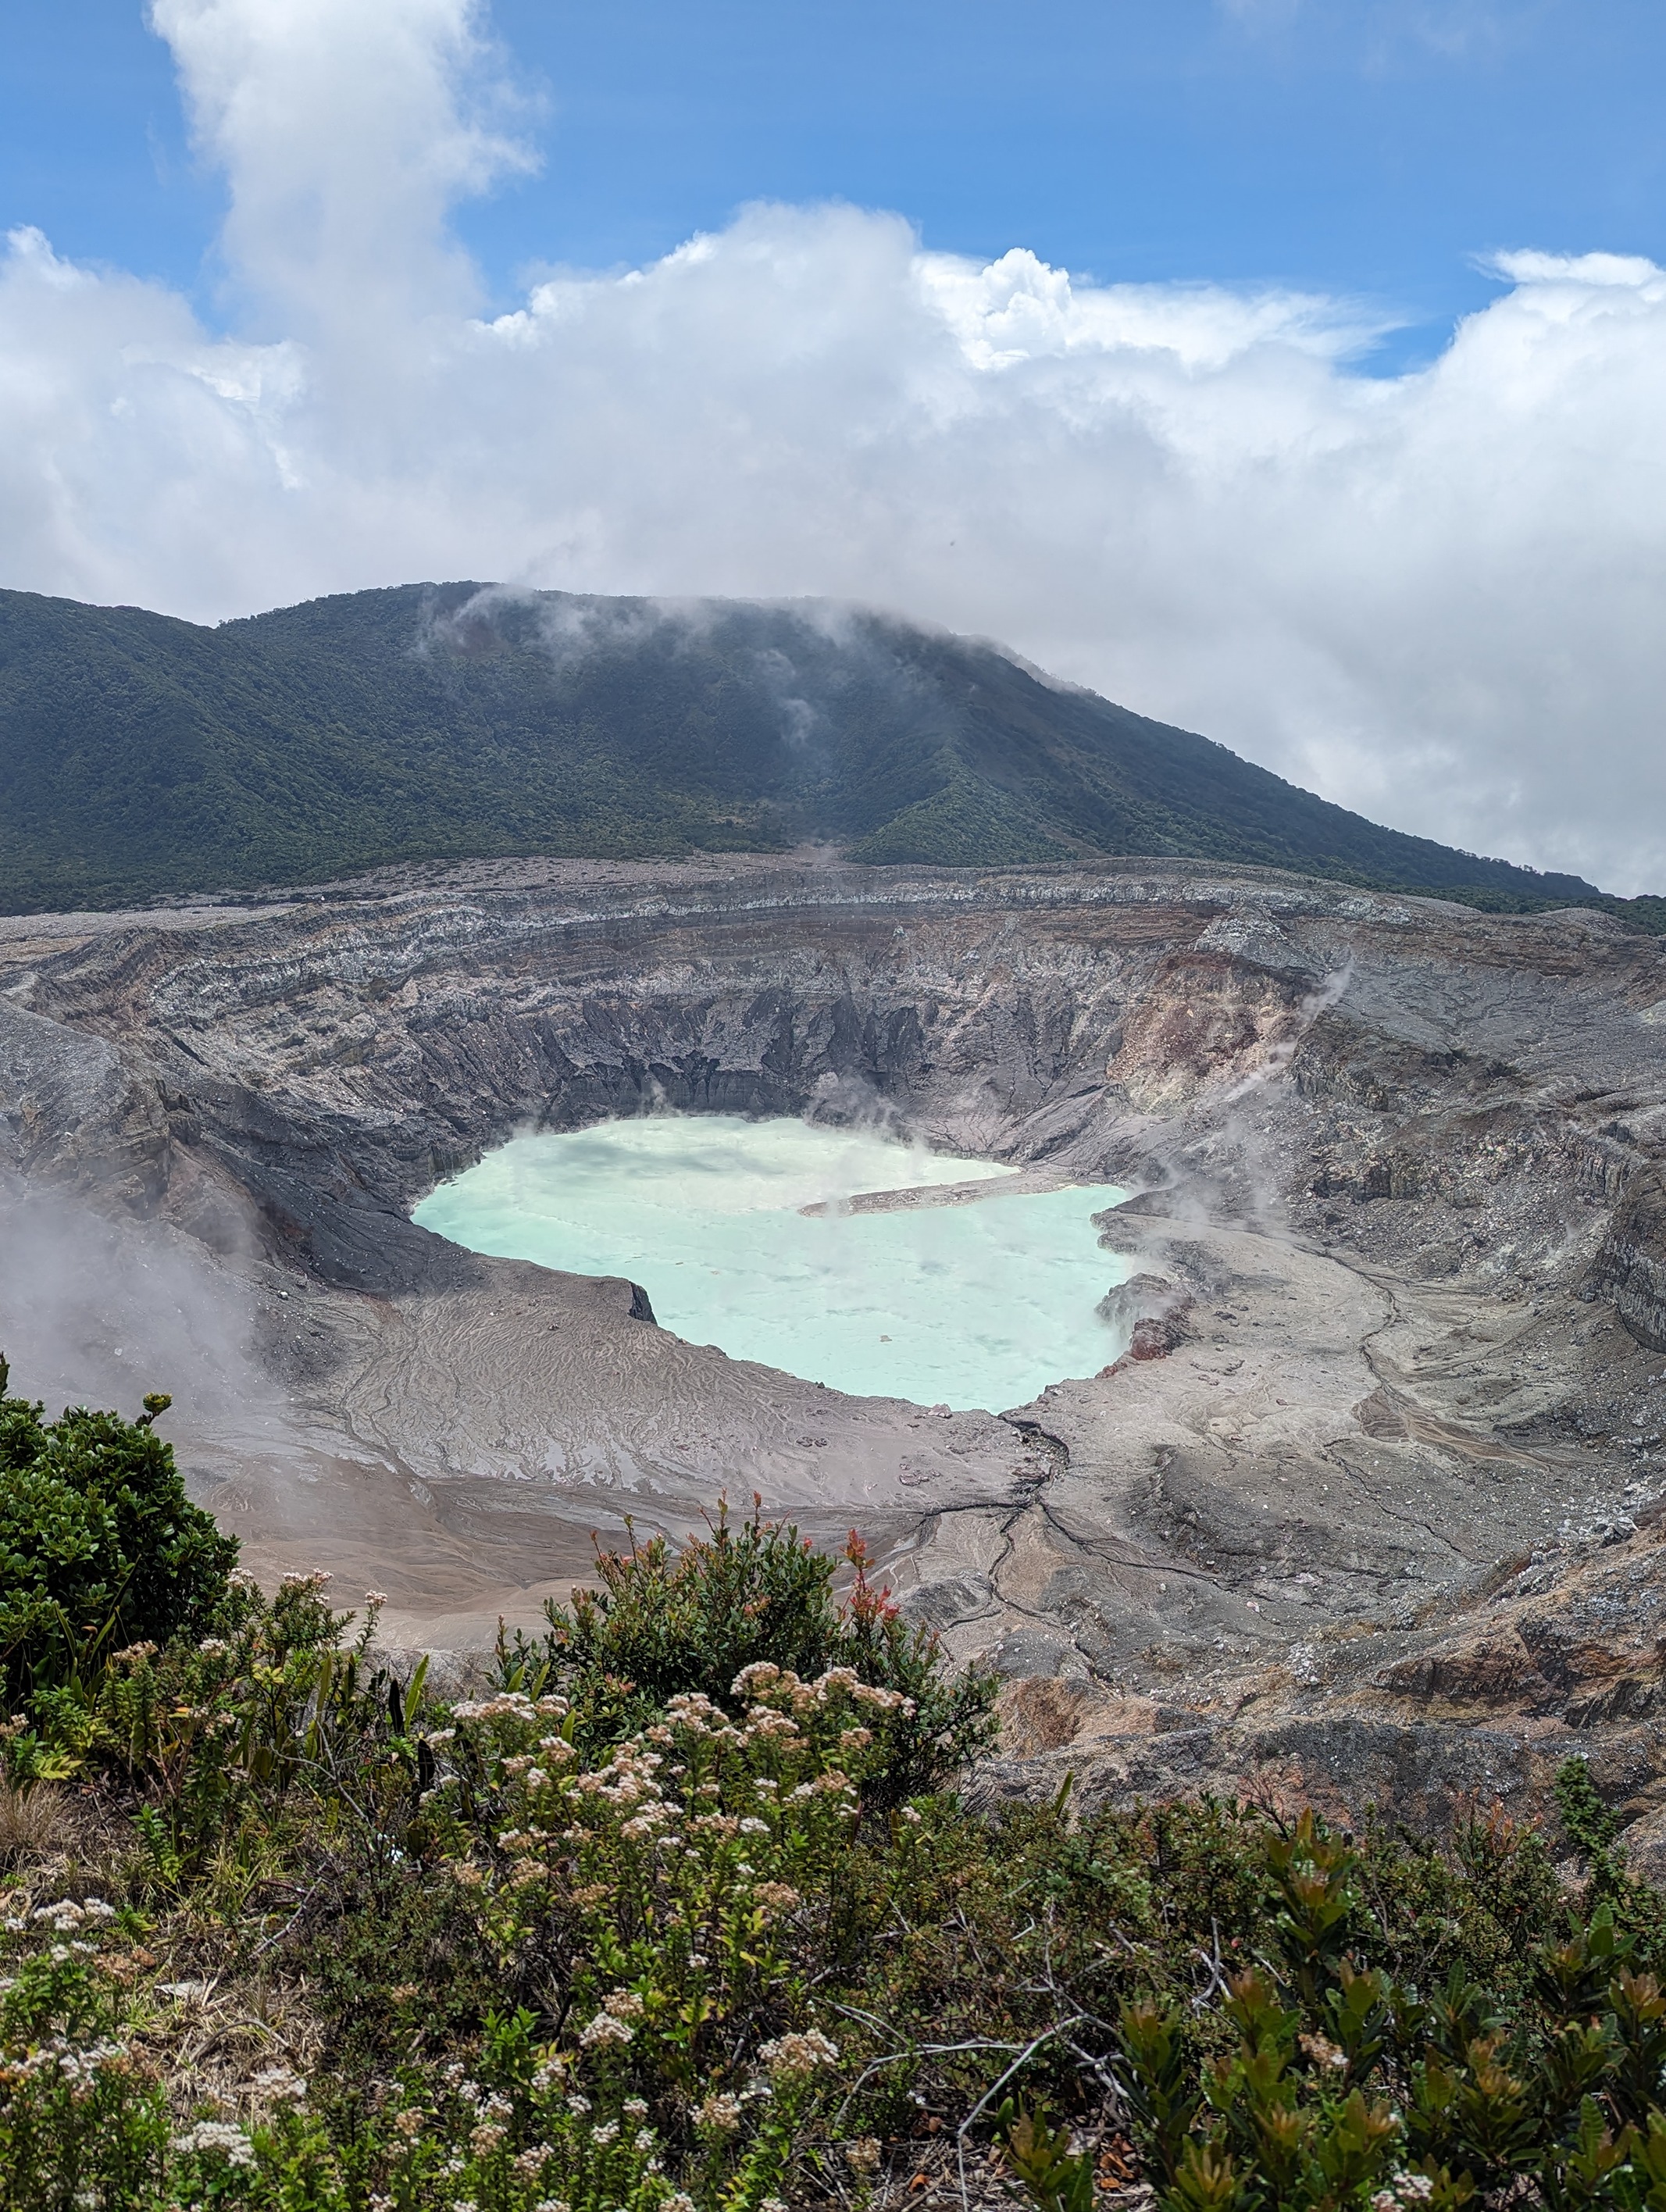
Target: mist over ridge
x=142 y=755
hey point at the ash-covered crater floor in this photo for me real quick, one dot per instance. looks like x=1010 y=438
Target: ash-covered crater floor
x=1366 y=1512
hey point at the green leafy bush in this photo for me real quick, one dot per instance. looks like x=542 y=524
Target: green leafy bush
x=639 y=1932
x=1318 y=2081
x=99 y=1545
x=697 y=1619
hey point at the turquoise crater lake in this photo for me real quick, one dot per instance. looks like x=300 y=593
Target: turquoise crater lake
x=980 y=1304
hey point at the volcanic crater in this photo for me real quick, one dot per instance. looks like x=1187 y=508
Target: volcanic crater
x=1369 y=1509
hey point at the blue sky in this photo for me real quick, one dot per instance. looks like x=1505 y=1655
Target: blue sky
x=1291 y=370
x=1353 y=146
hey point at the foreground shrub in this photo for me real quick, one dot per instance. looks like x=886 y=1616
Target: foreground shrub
x=1315 y=2078
x=640 y=1934
x=698 y=1972
x=99 y=1545
x=697 y=1618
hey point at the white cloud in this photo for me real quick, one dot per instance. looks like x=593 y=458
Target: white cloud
x=346 y=129
x=1261 y=15
x=1435 y=597
x=1380 y=33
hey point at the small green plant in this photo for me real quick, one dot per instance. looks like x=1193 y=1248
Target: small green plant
x=1050 y=2174
x=1590 y=1824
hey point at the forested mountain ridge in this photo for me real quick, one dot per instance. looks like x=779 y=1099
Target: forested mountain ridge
x=142 y=757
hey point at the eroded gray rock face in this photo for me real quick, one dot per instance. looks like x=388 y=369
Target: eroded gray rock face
x=1631 y=1265
x=71 y=1112
x=1394 y=1300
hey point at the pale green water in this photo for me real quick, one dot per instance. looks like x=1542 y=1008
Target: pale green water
x=961 y=1305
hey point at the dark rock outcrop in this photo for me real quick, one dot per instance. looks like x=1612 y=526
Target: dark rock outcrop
x=1631 y=1266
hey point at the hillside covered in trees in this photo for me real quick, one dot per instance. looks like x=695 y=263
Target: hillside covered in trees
x=143 y=757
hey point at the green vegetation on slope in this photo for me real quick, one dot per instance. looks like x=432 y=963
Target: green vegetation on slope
x=282 y=1930
x=99 y=1545
x=143 y=757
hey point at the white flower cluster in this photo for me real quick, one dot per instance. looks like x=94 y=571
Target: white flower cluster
x=612 y=2023
x=221 y=2137
x=1404 y=2189
x=765 y=1721
x=1323 y=2053
x=66 y=1917
x=837 y=1682
x=510 y=1706
x=280 y=2085
x=694 y=1713
x=522 y=1841
x=627 y=1779
x=78 y=2065
x=833 y=1784
x=793 y=2057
